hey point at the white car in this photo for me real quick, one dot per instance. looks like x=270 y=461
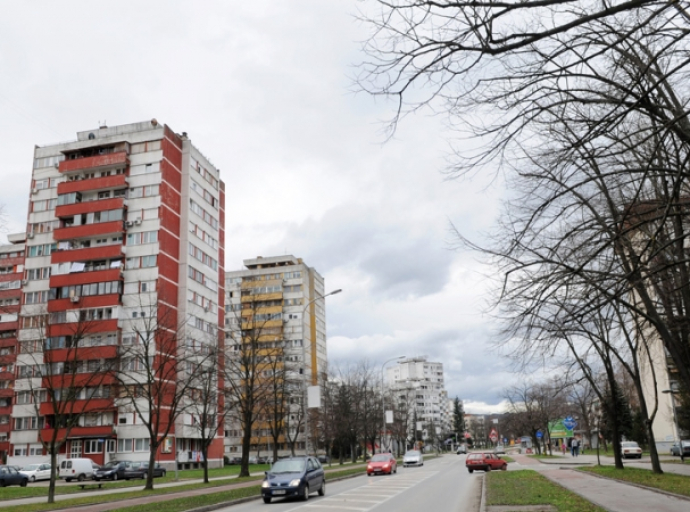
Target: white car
x=36 y=472
x=413 y=458
x=631 y=449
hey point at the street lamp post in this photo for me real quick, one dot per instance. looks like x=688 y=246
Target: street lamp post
x=383 y=401
x=304 y=370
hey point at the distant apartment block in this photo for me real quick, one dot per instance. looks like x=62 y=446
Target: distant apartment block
x=278 y=300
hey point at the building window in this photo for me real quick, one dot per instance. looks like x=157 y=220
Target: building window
x=93 y=446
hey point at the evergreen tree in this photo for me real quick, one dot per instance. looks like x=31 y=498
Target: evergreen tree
x=616 y=410
x=458 y=419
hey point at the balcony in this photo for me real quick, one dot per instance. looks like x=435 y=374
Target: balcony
x=70 y=210
x=91 y=301
x=101 y=252
x=84 y=328
x=116 y=181
x=99 y=162
x=89 y=230
x=6 y=393
x=103 y=431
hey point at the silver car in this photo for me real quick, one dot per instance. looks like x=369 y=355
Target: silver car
x=413 y=458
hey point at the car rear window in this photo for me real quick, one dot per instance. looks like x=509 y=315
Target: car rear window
x=474 y=456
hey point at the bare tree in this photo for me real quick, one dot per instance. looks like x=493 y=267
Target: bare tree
x=70 y=378
x=157 y=373
x=252 y=367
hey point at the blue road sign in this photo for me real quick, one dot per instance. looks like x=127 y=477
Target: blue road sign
x=569 y=423
x=539 y=434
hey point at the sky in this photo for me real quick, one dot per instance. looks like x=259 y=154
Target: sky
x=266 y=91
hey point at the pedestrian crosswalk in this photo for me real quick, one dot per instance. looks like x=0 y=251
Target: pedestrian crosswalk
x=376 y=491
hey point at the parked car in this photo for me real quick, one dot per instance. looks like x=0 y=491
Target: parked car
x=140 y=470
x=630 y=449
x=234 y=460
x=324 y=459
x=499 y=449
x=113 y=470
x=294 y=476
x=413 y=458
x=485 y=462
x=36 y=472
x=77 y=469
x=462 y=448
x=382 y=463
x=10 y=476
x=685 y=444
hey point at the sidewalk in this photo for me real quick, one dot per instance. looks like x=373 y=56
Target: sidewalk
x=612 y=495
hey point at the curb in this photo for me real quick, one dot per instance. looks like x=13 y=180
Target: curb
x=482 y=502
x=640 y=486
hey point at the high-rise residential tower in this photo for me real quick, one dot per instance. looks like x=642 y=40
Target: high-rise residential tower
x=125 y=241
x=278 y=302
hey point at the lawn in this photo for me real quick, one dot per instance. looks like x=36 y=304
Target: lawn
x=526 y=487
x=678 y=484
x=171 y=504
x=32 y=491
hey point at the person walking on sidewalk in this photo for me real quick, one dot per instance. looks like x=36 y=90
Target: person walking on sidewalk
x=563 y=446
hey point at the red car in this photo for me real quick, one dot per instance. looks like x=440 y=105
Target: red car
x=382 y=463
x=484 y=461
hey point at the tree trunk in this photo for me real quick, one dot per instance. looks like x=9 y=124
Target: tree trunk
x=53 y=473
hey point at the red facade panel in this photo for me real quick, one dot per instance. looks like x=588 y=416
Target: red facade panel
x=91 y=253
x=69 y=210
x=103 y=183
x=97 y=276
x=169 y=191
x=169 y=244
x=83 y=329
x=93 y=162
x=167 y=291
x=93 y=301
x=89 y=230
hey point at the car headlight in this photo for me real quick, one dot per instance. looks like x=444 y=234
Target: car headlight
x=369 y=466
x=295 y=482
x=385 y=466
x=266 y=483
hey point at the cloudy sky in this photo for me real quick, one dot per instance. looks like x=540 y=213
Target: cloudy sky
x=265 y=90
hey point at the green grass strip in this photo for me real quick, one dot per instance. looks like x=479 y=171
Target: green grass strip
x=527 y=487
x=669 y=482
x=171 y=503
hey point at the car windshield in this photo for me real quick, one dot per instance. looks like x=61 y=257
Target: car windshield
x=288 y=466
x=381 y=457
x=110 y=465
x=412 y=454
x=31 y=467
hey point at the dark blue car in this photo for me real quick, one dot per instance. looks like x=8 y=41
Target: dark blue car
x=294 y=477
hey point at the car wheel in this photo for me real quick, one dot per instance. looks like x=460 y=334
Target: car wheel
x=267 y=499
x=488 y=468
x=81 y=477
x=24 y=482
x=470 y=470
x=504 y=467
x=114 y=477
x=163 y=473
x=305 y=493
x=97 y=479
x=368 y=474
x=396 y=469
x=322 y=489
x=33 y=478
x=68 y=479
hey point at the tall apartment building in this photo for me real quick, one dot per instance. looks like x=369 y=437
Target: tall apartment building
x=125 y=231
x=286 y=296
x=11 y=275
x=420 y=384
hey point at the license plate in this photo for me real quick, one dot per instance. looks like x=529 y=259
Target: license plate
x=278 y=492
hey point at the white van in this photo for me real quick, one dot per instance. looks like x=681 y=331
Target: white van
x=77 y=469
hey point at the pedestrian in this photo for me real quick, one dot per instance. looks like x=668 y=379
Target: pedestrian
x=563 y=443
x=576 y=445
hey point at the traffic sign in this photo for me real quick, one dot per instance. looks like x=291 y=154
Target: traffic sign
x=493 y=436
x=569 y=423
x=539 y=434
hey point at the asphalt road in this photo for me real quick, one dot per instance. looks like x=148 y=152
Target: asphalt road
x=441 y=485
